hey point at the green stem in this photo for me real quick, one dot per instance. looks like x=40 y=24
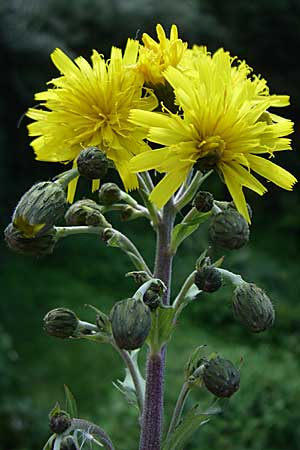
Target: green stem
x=185 y=390
x=191 y=190
x=234 y=278
x=135 y=375
x=184 y=290
x=65 y=177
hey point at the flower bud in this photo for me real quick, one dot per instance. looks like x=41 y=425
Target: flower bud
x=39 y=209
x=208 y=279
x=203 y=201
x=253 y=308
x=86 y=212
x=221 y=377
x=131 y=323
x=68 y=444
x=109 y=193
x=37 y=246
x=129 y=213
x=92 y=163
x=61 y=323
x=60 y=422
x=153 y=295
x=232 y=205
x=228 y=229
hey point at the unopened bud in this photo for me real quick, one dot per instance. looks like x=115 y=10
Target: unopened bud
x=232 y=205
x=208 y=279
x=60 y=422
x=153 y=295
x=39 y=209
x=221 y=377
x=61 y=322
x=228 y=229
x=131 y=323
x=86 y=212
x=109 y=193
x=253 y=308
x=37 y=246
x=203 y=201
x=129 y=213
x=92 y=163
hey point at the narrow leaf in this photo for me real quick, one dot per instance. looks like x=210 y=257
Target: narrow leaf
x=186 y=228
x=162 y=327
x=71 y=405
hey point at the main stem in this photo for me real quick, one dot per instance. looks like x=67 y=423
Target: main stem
x=151 y=429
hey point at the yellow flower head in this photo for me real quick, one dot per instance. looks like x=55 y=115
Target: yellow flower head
x=223 y=123
x=89 y=105
x=155 y=57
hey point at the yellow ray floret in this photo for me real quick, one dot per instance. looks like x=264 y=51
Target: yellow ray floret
x=88 y=105
x=155 y=57
x=223 y=123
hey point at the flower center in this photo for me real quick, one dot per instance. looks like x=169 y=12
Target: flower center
x=210 y=152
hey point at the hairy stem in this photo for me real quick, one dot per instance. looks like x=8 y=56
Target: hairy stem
x=151 y=429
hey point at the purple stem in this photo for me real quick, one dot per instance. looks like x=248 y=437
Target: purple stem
x=151 y=429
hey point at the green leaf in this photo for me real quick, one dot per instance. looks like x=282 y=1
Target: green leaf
x=49 y=443
x=71 y=405
x=127 y=387
x=161 y=327
x=55 y=410
x=193 y=420
x=186 y=228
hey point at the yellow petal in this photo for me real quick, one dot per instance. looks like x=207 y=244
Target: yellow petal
x=272 y=172
x=236 y=193
x=95 y=185
x=72 y=189
x=148 y=160
x=164 y=190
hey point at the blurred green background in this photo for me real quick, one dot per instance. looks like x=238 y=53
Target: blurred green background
x=265 y=414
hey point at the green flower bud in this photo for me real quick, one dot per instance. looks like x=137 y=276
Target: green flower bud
x=232 y=205
x=86 y=212
x=131 y=323
x=61 y=323
x=129 y=213
x=60 y=422
x=208 y=279
x=39 y=209
x=221 y=377
x=228 y=229
x=153 y=295
x=68 y=444
x=109 y=193
x=203 y=201
x=92 y=163
x=253 y=308
x=38 y=246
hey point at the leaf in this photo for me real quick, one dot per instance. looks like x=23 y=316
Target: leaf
x=186 y=228
x=49 y=443
x=161 y=327
x=71 y=404
x=127 y=387
x=191 y=422
x=55 y=410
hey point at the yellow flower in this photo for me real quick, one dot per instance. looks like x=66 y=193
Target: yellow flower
x=155 y=57
x=89 y=105
x=223 y=123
